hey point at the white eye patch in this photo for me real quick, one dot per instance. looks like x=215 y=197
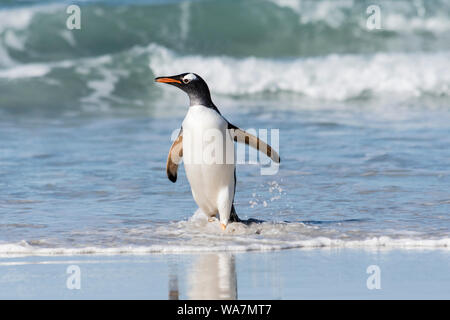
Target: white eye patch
x=189 y=77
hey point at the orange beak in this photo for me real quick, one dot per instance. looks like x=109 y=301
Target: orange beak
x=166 y=80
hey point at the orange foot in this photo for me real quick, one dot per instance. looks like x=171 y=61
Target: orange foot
x=223 y=226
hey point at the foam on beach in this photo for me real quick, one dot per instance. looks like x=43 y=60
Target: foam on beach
x=197 y=235
x=24 y=249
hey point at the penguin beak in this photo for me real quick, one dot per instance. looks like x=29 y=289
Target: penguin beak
x=169 y=80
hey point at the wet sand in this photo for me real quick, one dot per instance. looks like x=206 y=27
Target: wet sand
x=286 y=274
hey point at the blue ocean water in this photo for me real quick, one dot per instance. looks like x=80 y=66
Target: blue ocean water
x=363 y=115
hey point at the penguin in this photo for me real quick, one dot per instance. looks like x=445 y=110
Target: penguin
x=212 y=180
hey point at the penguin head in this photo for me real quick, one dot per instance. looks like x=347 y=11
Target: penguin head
x=191 y=83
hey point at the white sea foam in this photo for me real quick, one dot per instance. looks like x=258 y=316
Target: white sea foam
x=23 y=249
x=399 y=22
x=25 y=71
x=15 y=20
x=396 y=16
x=199 y=235
x=333 y=77
x=331 y=12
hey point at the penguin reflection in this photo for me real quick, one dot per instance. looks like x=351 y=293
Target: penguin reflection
x=174 y=293
x=213 y=276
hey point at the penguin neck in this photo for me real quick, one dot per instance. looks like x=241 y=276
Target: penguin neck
x=203 y=100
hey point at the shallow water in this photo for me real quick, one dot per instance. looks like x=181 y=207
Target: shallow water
x=84 y=132
x=101 y=183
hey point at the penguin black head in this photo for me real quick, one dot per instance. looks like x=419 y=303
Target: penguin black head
x=191 y=83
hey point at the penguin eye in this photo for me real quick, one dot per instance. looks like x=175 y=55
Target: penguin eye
x=186 y=81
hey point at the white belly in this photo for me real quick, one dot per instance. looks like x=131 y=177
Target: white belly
x=208 y=156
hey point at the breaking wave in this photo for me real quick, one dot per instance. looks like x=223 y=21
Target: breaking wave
x=315 y=49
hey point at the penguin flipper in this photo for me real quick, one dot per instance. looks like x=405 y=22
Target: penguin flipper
x=242 y=136
x=174 y=158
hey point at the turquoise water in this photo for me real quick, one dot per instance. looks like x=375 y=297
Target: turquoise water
x=363 y=117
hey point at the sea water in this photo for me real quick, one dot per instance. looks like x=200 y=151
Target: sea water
x=363 y=117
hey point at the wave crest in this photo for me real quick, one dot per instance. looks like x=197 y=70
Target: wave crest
x=267 y=29
x=331 y=77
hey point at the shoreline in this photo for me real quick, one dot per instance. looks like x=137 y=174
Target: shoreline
x=24 y=249
x=325 y=273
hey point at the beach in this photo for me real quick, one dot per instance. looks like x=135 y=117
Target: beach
x=287 y=274
x=359 y=116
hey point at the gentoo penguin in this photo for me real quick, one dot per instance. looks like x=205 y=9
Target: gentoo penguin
x=212 y=180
